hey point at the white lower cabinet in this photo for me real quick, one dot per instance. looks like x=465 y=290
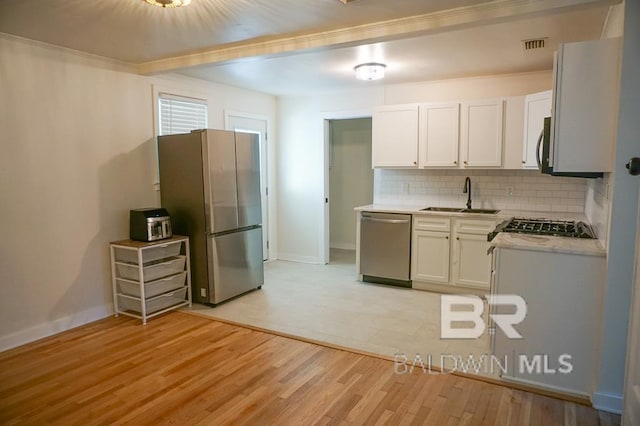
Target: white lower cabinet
x=431 y=256
x=559 y=344
x=451 y=253
x=471 y=264
x=430 y=249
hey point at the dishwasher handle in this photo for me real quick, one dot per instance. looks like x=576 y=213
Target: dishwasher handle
x=373 y=219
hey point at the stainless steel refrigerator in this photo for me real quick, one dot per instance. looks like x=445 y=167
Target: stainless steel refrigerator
x=210 y=185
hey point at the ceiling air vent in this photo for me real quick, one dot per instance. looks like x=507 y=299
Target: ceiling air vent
x=347 y=1
x=534 y=43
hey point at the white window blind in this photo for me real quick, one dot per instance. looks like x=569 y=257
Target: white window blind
x=181 y=115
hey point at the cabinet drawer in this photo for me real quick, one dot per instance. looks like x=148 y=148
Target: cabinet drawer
x=153 y=305
x=149 y=254
x=471 y=226
x=152 y=288
x=431 y=223
x=153 y=271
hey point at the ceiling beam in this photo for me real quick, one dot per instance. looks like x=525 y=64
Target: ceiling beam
x=462 y=17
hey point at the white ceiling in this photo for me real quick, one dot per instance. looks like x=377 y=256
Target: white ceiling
x=262 y=44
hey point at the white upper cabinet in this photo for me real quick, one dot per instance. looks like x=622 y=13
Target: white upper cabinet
x=513 y=125
x=481 y=134
x=439 y=124
x=537 y=106
x=585 y=105
x=395 y=136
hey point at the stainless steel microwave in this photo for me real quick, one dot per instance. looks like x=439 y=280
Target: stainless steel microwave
x=543 y=155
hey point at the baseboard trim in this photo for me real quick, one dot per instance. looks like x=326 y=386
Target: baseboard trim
x=297 y=258
x=609 y=402
x=343 y=246
x=49 y=328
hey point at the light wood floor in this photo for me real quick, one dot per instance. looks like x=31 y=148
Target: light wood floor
x=183 y=369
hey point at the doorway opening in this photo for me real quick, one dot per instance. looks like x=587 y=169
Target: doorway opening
x=350 y=183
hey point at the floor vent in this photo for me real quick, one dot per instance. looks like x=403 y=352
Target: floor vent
x=534 y=43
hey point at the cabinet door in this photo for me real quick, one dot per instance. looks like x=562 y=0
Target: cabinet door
x=395 y=136
x=439 y=136
x=471 y=263
x=537 y=106
x=481 y=142
x=585 y=106
x=430 y=257
x=513 y=125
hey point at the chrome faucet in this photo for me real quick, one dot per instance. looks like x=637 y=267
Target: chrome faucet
x=467 y=190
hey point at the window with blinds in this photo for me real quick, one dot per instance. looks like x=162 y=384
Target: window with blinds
x=181 y=115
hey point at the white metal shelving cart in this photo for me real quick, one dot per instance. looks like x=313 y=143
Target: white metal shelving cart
x=150 y=278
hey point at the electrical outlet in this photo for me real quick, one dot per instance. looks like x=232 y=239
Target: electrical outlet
x=203 y=292
x=510 y=191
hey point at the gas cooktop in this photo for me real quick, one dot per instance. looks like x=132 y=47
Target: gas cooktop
x=556 y=228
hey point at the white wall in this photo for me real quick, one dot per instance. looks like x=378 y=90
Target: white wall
x=301 y=142
x=301 y=167
x=624 y=216
x=77 y=153
x=351 y=178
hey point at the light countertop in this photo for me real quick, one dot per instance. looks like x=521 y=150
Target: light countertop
x=501 y=215
x=512 y=240
x=553 y=244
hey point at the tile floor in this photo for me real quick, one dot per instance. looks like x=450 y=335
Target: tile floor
x=327 y=303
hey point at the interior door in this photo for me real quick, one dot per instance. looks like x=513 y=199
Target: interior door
x=631 y=413
x=258 y=126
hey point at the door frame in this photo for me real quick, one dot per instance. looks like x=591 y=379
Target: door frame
x=326 y=117
x=631 y=399
x=271 y=230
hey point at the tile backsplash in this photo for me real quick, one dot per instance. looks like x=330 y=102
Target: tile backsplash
x=500 y=189
x=597 y=205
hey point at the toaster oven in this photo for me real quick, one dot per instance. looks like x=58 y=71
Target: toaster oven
x=149 y=224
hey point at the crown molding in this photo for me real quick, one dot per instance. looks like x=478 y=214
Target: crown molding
x=462 y=17
x=86 y=58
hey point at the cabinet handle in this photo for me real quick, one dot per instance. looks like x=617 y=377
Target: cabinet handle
x=446 y=238
x=415 y=162
x=458 y=238
x=455 y=162
x=524 y=162
x=464 y=162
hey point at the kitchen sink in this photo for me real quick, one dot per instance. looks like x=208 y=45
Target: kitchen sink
x=483 y=211
x=460 y=210
x=443 y=209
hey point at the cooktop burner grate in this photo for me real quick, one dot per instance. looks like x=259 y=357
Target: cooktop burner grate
x=559 y=228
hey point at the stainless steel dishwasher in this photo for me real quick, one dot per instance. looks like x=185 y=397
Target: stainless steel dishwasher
x=385 y=248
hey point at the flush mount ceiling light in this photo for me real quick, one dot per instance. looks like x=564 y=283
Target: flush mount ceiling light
x=370 y=71
x=168 y=3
